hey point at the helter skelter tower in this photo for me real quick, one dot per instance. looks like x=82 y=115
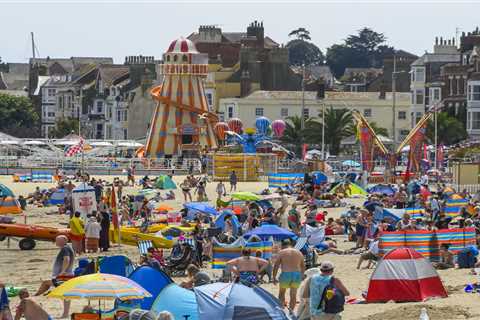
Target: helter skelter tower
x=182 y=123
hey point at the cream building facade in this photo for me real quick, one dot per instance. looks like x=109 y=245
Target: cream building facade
x=283 y=104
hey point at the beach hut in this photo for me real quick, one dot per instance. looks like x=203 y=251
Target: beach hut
x=404 y=275
x=235 y=301
x=165 y=183
x=57 y=197
x=178 y=301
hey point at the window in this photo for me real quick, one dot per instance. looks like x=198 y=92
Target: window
x=125 y=134
x=99 y=106
x=418 y=74
x=119 y=115
x=306 y=113
x=187 y=139
x=418 y=117
x=404 y=132
x=108 y=135
x=184 y=58
x=51 y=114
x=474 y=92
x=258 y=112
x=419 y=96
x=367 y=112
x=284 y=112
x=435 y=93
x=475 y=120
x=175 y=58
x=109 y=112
x=113 y=91
x=51 y=92
x=209 y=99
x=402 y=115
x=230 y=111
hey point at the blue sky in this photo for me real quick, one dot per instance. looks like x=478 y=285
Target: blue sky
x=120 y=28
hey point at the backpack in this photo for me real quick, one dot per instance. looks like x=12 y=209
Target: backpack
x=332 y=300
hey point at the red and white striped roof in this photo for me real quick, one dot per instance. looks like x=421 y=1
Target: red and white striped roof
x=182 y=45
x=404 y=275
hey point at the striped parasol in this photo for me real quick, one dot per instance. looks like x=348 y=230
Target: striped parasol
x=99 y=286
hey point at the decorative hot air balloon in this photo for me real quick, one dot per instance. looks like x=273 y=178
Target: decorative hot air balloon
x=278 y=127
x=220 y=129
x=235 y=125
x=262 y=124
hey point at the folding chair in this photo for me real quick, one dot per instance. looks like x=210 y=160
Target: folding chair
x=143 y=246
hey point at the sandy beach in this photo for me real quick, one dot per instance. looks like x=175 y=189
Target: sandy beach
x=28 y=268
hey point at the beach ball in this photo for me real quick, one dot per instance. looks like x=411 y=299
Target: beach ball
x=262 y=124
x=220 y=129
x=235 y=125
x=278 y=127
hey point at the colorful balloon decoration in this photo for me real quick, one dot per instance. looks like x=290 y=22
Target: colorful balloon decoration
x=278 y=127
x=235 y=125
x=220 y=129
x=262 y=124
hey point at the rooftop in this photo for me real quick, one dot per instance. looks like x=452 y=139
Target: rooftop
x=329 y=95
x=434 y=57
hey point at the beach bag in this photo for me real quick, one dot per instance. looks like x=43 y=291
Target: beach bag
x=466 y=259
x=333 y=300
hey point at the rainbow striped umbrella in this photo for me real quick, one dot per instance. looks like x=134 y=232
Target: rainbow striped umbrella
x=99 y=286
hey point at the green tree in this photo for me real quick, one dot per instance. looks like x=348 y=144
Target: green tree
x=64 y=127
x=449 y=130
x=300 y=33
x=18 y=116
x=296 y=137
x=378 y=130
x=301 y=51
x=338 y=125
x=362 y=50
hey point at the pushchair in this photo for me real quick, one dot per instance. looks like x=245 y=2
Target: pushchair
x=182 y=255
x=307 y=251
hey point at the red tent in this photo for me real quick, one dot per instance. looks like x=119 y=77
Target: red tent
x=404 y=275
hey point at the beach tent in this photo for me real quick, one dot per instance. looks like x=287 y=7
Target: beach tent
x=9 y=205
x=178 y=301
x=165 y=183
x=117 y=265
x=382 y=189
x=404 y=275
x=270 y=230
x=152 y=280
x=57 y=197
x=84 y=199
x=319 y=178
x=5 y=191
x=203 y=207
x=355 y=190
x=235 y=301
x=220 y=221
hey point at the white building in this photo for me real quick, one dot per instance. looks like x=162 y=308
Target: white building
x=283 y=104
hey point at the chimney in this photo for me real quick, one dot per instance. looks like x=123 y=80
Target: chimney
x=320 y=89
x=383 y=88
x=245 y=83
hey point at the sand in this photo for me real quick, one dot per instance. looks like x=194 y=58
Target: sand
x=28 y=268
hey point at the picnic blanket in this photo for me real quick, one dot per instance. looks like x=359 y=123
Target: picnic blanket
x=222 y=252
x=428 y=242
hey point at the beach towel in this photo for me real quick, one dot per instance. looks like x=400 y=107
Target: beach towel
x=453 y=207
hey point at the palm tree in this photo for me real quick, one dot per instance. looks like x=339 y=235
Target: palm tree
x=378 y=130
x=449 y=130
x=338 y=125
x=295 y=136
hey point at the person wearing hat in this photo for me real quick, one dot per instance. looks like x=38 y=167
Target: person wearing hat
x=315 y=287
x=303 y=309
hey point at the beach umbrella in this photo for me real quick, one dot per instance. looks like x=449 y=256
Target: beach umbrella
x=262 y=124
x=163 y=207
x=351 y=163
x=202 y=207
x=278 y=127
x=235 y=125
x=270 y=230
x=246 y=196
x=382 y=189
x=220 y=129
x=99 y=286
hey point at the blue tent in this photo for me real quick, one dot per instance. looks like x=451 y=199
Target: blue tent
x=220 y=222
x=5 y=191
x=150 y=279
x=117 y=265
x=382 y=189
x=270 y=230
x=57 y=197
x=235 y=301
x=178 y=301
x=203 y=207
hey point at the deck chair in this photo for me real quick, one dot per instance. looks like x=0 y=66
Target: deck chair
x=143 y=246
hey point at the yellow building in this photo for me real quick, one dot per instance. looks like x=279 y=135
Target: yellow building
x=283 y=104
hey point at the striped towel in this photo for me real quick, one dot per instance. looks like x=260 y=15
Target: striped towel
x=415 y=213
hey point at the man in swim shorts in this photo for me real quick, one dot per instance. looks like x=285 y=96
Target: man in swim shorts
x=30 y=309
x=292 y=263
